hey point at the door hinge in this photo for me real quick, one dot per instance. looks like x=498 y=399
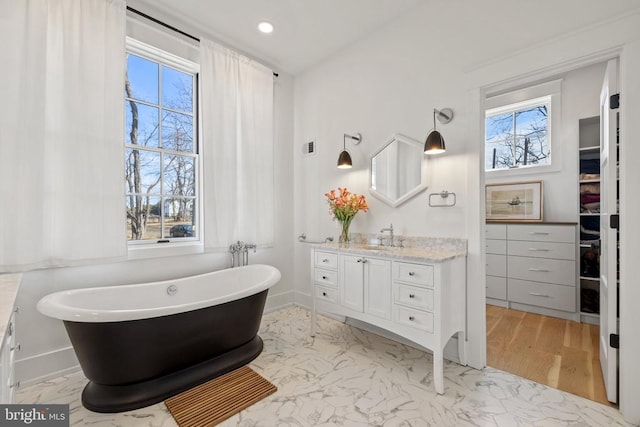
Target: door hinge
x=614 y=221
x=614 y=101
x=614 y=340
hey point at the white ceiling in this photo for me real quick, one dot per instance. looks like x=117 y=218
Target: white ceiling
x=306 y=31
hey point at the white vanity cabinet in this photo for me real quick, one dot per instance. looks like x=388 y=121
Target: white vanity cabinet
x=420 y=300
x=366 y=284
x=7 y=362
x=9 y=284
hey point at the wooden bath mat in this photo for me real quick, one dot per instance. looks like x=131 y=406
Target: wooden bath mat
x=213 y=402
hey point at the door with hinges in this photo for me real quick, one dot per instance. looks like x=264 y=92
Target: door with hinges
x=609 y=108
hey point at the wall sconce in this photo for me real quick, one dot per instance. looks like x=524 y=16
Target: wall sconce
x=435 y=142
x=344 y=161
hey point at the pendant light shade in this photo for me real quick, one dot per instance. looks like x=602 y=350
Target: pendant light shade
x=344 y=160
x=434 y=143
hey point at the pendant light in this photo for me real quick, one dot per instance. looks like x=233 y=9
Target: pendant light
x=435 y=142
x=344 y=160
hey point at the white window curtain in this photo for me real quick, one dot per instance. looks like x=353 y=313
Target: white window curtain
x=61 y=127
x=237 y=124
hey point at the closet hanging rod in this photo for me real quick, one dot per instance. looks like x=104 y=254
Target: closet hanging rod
x=170 y=27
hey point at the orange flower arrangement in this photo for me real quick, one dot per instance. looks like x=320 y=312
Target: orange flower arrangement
x=343 y=207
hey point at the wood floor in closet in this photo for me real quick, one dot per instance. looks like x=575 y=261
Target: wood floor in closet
x=556 y=352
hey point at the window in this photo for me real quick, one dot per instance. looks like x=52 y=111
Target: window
x=517 y=135
x=161 y=147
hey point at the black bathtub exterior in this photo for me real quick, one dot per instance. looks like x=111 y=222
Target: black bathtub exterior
x=136 y=363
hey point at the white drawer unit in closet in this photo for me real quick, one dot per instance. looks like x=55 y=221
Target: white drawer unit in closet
x=542 y=233
x=556 y=297
x=558 y=271
x=541 y=269
x=496 y=266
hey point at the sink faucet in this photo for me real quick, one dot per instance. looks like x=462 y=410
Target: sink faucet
x=390 y=230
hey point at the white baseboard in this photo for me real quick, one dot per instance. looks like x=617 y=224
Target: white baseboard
x=279 y=301
x=45 y=366
x=303 y=300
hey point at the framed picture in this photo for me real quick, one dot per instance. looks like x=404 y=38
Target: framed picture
x=517 y=202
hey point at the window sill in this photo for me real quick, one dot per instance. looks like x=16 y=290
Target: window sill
x=536 y=170
x=165 y=250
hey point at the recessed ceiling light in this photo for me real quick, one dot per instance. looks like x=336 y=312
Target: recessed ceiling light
x=265 y=27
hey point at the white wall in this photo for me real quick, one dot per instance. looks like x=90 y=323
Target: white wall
x=441 y=55
x=45 y=347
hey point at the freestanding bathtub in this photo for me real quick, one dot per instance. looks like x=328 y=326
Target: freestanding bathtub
x=140 y=344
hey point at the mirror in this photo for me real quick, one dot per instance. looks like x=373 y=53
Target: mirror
x=397 y=170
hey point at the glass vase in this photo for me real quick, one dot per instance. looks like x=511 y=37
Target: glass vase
x=344 y=230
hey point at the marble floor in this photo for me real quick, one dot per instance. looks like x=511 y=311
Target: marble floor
x=345 y=376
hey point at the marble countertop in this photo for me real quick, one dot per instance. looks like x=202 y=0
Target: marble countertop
x=8 y=291
x=429 y=253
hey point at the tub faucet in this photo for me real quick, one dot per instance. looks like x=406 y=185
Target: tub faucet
x=240 y=250
x=390 y=230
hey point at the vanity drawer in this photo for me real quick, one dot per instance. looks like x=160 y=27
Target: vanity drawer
x=326 y=294
x=497 y=287
x=326 y=277
x=413 y=273
x=560 y=272
x=413 y=296
x=496 y=231
x=496 y=265
x=546 y=295
x=498 y=247
x=542 y=233
x=326 y=259
x=543 y=250
x=411 y=317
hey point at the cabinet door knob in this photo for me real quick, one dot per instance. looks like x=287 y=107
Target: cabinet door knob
x=15 y=347
x=411 y=273
x=324 y=277
x=412 y=296
x=325 y=260
x=15 y=385
x=324 y=294
x=412 y=318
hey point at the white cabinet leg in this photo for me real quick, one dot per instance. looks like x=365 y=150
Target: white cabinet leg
x=462 y=348
x=438 y=372
x=314 y=319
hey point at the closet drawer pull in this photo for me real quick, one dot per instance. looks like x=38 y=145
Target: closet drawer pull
x=541 y=270
x=536 y=294
x=538 y=233
x=539 y=250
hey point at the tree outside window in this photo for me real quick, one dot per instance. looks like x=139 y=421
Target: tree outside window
x=160 y=151
x=517 y=137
